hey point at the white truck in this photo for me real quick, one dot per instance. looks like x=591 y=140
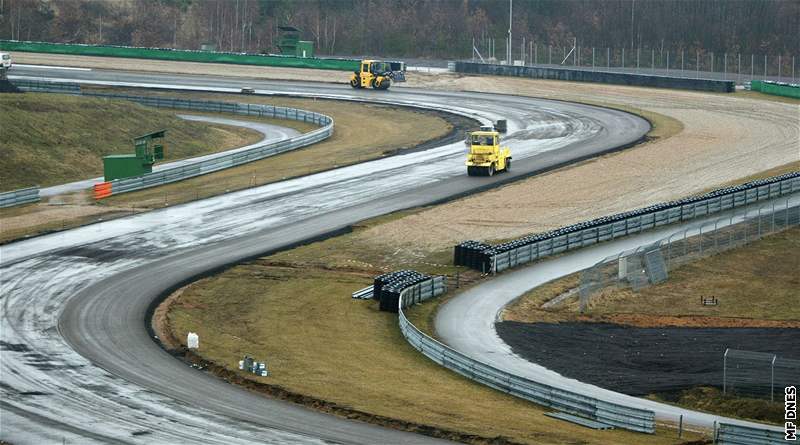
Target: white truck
x=5 y=62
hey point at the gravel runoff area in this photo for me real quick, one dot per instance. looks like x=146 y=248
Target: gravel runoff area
x=640 y=361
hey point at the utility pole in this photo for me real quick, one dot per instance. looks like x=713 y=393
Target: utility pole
x=510 y=21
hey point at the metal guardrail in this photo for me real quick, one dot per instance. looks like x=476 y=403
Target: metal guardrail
x=221 y=162
x=47 y=87
x=567 y=401
x=607 y=228
x=728 y=434
x=18 y=197
x=364 y=294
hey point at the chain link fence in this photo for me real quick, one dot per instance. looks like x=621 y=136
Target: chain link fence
x=650 y=264
x=671 y=62
x=758 y=374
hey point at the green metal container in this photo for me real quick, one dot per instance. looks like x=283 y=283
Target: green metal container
x=290 y=60
x=124 y=166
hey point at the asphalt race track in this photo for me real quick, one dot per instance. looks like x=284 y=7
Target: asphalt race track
x=78 y=363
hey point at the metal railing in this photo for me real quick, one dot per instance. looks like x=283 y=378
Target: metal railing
x=651 y=264
x=524 y=250
x=18 y=197
x=216 y=163
x=757 y=374
x=47 y=87
x=566 y=401
x=728 y=434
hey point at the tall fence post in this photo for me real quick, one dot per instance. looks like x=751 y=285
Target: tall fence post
x=724 y=373
x=772 y=380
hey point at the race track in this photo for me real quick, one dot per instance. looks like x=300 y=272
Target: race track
x=467 y=322
x=78 y=363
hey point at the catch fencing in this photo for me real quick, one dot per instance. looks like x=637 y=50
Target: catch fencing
x=496 y=258
x=651 y=264
x=577 y=75
x=670 y=62
x=758 y=374
x=560 y=399
x=19 y=197
x=209 y=165
x=728 y=434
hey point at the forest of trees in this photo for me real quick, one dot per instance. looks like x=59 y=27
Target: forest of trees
x=420 y=28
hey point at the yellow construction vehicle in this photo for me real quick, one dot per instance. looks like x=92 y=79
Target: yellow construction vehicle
x=377 y=74
x=486 y=157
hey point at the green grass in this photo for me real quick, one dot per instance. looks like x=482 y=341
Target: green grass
x=52 y=139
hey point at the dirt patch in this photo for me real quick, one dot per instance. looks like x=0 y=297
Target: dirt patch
x=640 y=361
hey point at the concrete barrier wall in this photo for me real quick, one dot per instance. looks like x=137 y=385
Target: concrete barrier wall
x=641 y=80
x=776 y=88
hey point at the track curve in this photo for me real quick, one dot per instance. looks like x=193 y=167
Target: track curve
x=78 y=362
x=467 y=322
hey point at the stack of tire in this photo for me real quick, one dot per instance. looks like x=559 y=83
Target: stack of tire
x=477 y=255
x=387 y=287
x=473 y=254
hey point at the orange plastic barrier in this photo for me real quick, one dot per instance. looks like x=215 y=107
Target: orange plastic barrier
x=102 y=190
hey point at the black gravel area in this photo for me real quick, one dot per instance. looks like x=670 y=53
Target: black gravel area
x=639 y=361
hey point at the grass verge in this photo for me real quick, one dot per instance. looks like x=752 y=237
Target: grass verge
x=51 y=139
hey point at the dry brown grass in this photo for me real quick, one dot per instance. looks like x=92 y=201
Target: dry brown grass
x=756 y=285
x=52 y=139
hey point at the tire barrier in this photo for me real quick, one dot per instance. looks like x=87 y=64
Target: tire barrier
x=607 y=413
x=19 y=197
x=641 y=80
x=388 y=287
x=179 y=55
x=742 y=435
x=496 y=258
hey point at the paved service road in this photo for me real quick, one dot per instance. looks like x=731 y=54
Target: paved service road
x=467 y=322
x=77 y=361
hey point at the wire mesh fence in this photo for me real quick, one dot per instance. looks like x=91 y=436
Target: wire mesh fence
x=758 y=374
x=650 y=264
x=673 y=62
